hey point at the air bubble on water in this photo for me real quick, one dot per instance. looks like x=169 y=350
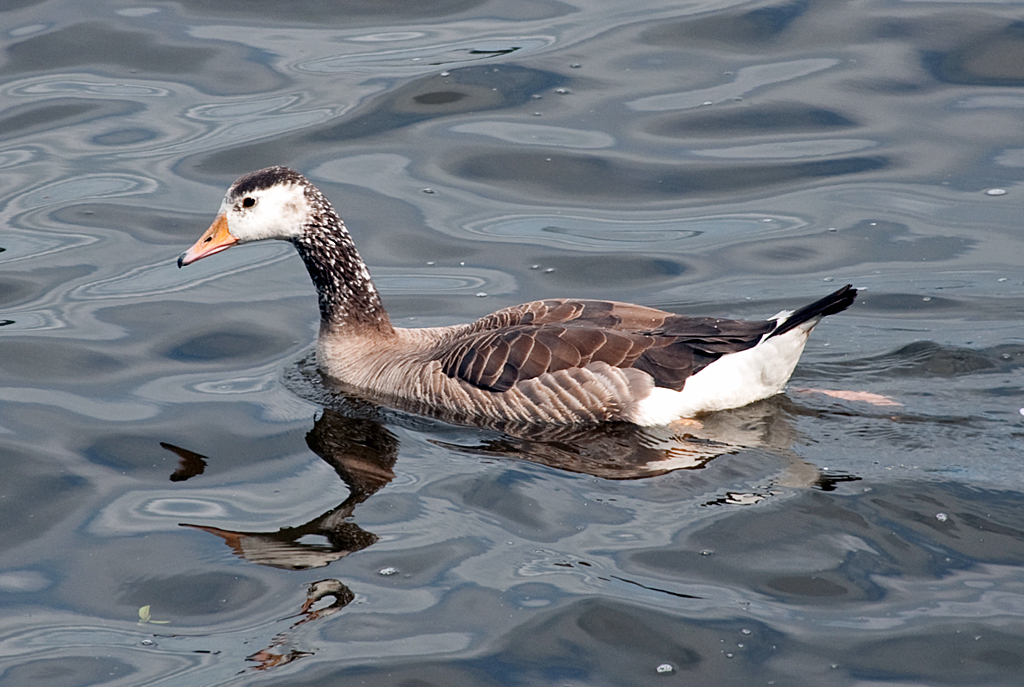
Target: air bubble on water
x=996 y=192
x=481 y=294
x=147 y=642
x=428 y=191
x=941 y=517
x=665 y=669
x=446 y=73
x=562 y=91
x=746 y=631
x=388 y=571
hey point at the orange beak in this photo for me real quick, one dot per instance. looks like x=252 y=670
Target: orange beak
x=216 y=239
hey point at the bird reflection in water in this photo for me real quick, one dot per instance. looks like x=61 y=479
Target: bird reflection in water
x=351 y=436
x=279 y=652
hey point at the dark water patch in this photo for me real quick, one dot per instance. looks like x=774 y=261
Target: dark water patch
x=742 y=29
x=893 y=29
x=242 y=335
x=920 y=306
x=219 y=436
x=129 y=453
x=32 y=285
x=126 y=137
x=890 y=86
x=930 y=359
x=192 y=594
x=504 y=495
x=982 y=59
x=811 y=586
x=959 y=653
x=478 y=88
x=903 y=530
x=560 y=176
x=126 y=53
x=94 y=43
x=54 y=361
x=25 y=120
x=35 y=495
x=754 y=120
x=609 y=271
x=239 y=342
x=421 y=566
x=14 y=291
x=144 y=223
x=85 y=670
x=911 y=304
x=591 y=641
x=19 y=4
x=869 y=241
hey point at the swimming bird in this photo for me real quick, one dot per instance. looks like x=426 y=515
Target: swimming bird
x=555 y=361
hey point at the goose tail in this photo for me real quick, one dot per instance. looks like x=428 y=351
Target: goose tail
x=829 y=305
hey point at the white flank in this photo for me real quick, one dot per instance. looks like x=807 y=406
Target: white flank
x=732 y=381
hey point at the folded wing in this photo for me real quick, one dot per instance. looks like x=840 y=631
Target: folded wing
x=526 y=341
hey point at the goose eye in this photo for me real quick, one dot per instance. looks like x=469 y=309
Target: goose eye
x=248 y=202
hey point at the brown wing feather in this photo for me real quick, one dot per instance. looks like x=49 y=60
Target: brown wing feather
x=529 y=340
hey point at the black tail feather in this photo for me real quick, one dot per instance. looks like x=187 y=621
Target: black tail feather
x=829 y=305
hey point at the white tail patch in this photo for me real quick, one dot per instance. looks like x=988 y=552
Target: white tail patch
x=732 y=381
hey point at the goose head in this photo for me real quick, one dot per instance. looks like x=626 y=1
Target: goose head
x=272 y=203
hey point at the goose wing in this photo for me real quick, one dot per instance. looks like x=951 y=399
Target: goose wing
x=526 y=341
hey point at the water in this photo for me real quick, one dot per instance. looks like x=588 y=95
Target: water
x=167 y=443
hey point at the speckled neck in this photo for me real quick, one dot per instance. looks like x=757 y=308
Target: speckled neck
x=346 y=294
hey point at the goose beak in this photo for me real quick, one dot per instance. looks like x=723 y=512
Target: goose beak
x=216 y=239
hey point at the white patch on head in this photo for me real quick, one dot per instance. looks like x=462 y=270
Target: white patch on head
x=280 y=212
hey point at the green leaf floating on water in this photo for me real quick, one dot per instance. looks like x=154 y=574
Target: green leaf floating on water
x=144 y=617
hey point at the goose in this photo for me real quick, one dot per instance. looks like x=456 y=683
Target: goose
x=563 y=361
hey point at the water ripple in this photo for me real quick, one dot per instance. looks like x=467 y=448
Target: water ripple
x=537 y=134
x=450 y=53
x=85 y=84
x=747 y=79
x=91 y=186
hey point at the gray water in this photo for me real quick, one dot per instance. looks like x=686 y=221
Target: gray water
x=176 y=475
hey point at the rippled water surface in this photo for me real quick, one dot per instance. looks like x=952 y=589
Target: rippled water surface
x=176 y=475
